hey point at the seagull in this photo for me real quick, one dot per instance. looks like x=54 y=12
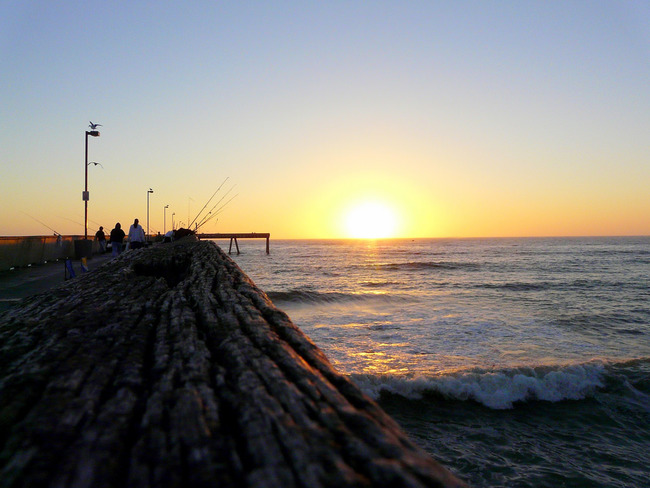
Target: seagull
x=94 y=126
x=96 y=164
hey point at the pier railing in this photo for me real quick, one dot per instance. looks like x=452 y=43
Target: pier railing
x=168 y=367
x=26 y=250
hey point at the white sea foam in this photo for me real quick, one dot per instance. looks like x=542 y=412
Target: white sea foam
x=495 y=389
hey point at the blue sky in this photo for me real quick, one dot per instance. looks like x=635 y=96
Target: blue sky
x=469 y=118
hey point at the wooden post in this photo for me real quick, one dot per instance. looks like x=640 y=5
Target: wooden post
x=168 y=367
x=235 y=236
x=236 y=245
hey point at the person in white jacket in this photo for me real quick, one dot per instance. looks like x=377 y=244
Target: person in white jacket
x=136 y=235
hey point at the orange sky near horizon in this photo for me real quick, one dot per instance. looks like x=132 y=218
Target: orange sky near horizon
x=500 y=120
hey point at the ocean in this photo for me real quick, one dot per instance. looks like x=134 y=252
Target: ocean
x=514 y=362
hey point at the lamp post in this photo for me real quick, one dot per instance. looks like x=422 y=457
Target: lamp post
x=173 y=227
x=148 y=191
x=165 y=219
x=85 y=196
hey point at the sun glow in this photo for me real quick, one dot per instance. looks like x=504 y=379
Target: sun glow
x=371 y=220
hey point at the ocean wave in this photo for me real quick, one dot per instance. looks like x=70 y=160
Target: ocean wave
x=620 y=252
x=380 y=284
x=577 y=285
x=422 y=265
x=516 y=286
x=313 y=297
x=497 y=389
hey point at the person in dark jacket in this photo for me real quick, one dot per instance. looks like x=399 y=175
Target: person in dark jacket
x=101 y=238
x=117 y=237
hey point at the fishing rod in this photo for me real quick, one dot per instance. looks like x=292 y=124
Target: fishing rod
x=78 y=223
x=221 y=209
x=209 y=214
x=70 y=220
x=189 y=199
x=207 y=203
x=215 y=206
x=96 y=223
x=42 y=223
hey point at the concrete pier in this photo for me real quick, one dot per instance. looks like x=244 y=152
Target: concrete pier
x=25 y=250
x=167 y=367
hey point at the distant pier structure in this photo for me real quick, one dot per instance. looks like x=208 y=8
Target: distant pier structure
x=234 y=236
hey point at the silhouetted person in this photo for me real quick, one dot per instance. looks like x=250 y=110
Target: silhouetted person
x=101 y=238
x=136 y=235
x=117 y=236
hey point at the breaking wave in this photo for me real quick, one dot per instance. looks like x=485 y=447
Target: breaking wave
x=504 y=389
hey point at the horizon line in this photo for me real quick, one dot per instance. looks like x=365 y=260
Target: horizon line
x=14 y=236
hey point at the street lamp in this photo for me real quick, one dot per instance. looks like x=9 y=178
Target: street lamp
x=85 y=196
x=88 y=193
x=165 y=219
x=173 y=227
x=148 y=191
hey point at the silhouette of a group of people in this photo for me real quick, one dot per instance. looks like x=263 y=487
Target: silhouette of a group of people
x=136 y=237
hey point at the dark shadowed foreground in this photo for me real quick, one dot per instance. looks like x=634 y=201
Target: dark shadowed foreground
x=168 y=367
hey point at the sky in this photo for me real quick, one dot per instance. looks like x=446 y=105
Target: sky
x=327 y=119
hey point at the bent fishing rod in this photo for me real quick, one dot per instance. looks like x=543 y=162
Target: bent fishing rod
x=221 y=209
x=207 y=203
x=215 y=206
x=42 y=223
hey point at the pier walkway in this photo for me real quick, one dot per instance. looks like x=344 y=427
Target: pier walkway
x=24 y=281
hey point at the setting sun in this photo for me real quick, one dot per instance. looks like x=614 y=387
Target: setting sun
x=371 y=220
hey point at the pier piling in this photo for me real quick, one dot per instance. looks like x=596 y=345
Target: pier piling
x=238 y=235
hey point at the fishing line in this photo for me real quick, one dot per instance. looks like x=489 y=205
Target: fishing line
x=42 y=223
x=207 y=203
x=215 y=206
x=209 y=215
x=221 y=209
x=78 y=223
